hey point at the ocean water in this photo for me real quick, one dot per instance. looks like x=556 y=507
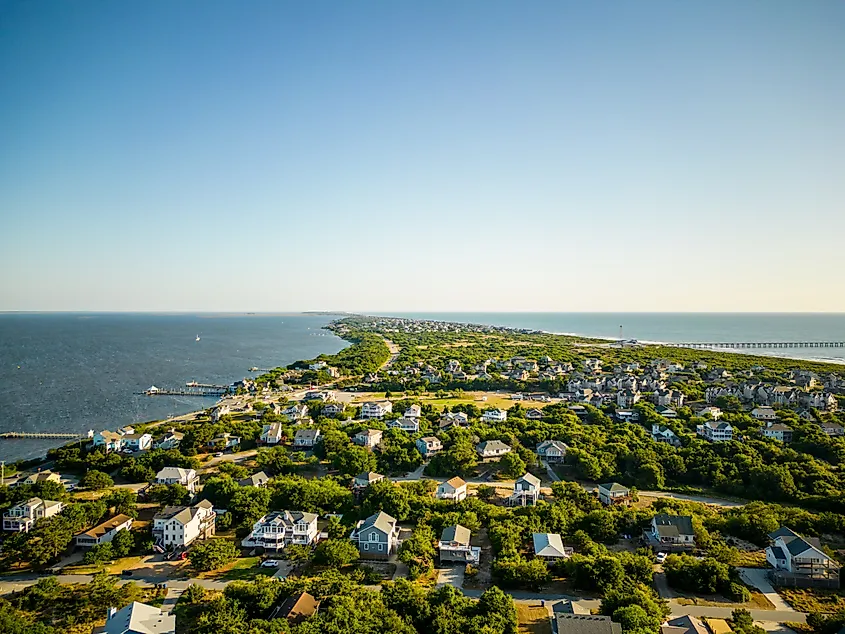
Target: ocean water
x=680 y=327
x=74 y=372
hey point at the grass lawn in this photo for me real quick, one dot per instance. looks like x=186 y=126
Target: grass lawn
x=242 y=569
x=113 y=568
x=533 y=618
x=758 y=602
x=750 y=559
x=814 y=599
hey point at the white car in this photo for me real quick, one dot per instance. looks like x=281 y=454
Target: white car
x=270 y=563
x=219 y=454
x=661 y=557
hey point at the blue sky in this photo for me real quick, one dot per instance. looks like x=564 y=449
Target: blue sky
x=476 y=155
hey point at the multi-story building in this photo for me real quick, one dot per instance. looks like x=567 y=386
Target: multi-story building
x=376 y=409
x=188 y=478
x=21 y=517
x=454 y=545
x=614 y=493
x=526 y=491
x=777 y=431
x=278 y=529
x=104 y=532
x=800 y=561
x=716 y=431
x=369 y=438
x=377 y=536
x=454 y=489
x=180 y=526
x=552 y=451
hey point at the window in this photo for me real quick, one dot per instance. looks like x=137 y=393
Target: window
x=373 y=537
x=381 y=547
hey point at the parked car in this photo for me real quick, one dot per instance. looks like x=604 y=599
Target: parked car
x=219 y=454
x=270 y=563
x=661 y=557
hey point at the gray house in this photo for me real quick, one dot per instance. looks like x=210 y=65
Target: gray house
x=376 y=536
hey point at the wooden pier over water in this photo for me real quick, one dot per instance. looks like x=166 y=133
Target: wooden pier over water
x=38 y=435
x=191 y=389
x=759 y=344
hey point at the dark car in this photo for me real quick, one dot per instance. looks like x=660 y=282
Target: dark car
x=127 y=573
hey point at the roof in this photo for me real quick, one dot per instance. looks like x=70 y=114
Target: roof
x=380 y=520
x=288 y=518
x=557 y=444
x=585 y=624
x=456 y=482
x=174 y=472
x=304 y=434
x=430 y=439
x=614 y=487
x=684 y=625
x=549 y=545
x=492 y=445
x=719 y=626
x=369 y=476
x=777 y=551
x=182 y=514
x=109 y=525
x=456 y=533
x=140 y=618
x=783 y=531
x=299 y=607
x=370 y=433
x=255 y=479
x=530 y=478
x=671 y=525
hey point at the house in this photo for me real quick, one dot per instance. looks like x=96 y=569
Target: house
x=188 y=478
x=170 y=440
x=363 y=480
x=318 y=395
x=764 y=413
x=661 y=433
x=306 y=438
x=272 y=434
x=414 y=411
x=534 y=414
x=295 y=412
x=453 y=419
x=552 y=451
x=258 y=480
x=332 y=409
x=219 y=412
x=627 y=415
x=376 y=409
x=718 y=626
x=223 y=442
x=136 y=442
x=298 y=608
x=42 y=476
x=108 y=440
x=410 y=425
x=832 y=428
x=492 y=449
x=715 y=431
x=567 y=606
x=139 y=618
x=21 y=517
x=180 y=526
x=584 y=624
x=368 y=438
x=494 y=416
x=777 y=431
x=104 y=532
x=454 y=489
x=666 y=412
x=549 y=546
x=684 y=625
x=800 y=561
x=671 y=531
x=278 y=529
x=627 y=398
x=428 y=445
x=526 y=491
x=377 y=536
x=710 y=411
x=454 y=545
x=614 y=493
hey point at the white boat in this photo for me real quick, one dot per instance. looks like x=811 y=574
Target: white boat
x=198 y=337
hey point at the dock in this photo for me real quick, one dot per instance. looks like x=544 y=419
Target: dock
x=45 y=436
x=758 y=344
x=191 y=389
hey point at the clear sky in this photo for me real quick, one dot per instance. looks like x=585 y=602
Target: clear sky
x=408 y=156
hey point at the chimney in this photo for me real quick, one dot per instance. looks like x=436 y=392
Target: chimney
x=112 y=612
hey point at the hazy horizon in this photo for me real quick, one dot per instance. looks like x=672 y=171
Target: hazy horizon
x=457 y=157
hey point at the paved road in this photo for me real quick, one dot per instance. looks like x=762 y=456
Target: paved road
x=451 y=576
x=772 y=616
x=758 y=578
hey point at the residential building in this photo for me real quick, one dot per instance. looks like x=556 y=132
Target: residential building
x=363 y=480
x=297 y=608
x=627 y=398
x=139 y=618
x=800 y=561
x=188 y=478
x=117 y=441
x=406 y=424
x=454 y=489
x=832 y=428
x=673 y=532
x=21 y=517
x=614 y=493
x=272 y=434
x=764 y=414
x=453 y=419
x=429 y=445
x=376 y=409
x=492 y=449
x=170 y=440
x=710 y=411
x=42 y=476
x=332 y=409
x=584 y=624
x=526 y=491
x=369 y=438
x=258 y=480
x=136 y=442
x=552 y=451
x=295 y=412
x=715 y=431
x=108 y=440
x=377 y=536
x=684 y=625
x=318 y=395
x=223 y=442
x=534 y=414
x=777 y=431
x=219 y=412
x=549 y=546
x=180 y=526
x=454 y=545
x=494 y=416
x=306 y=438
x=661 y=433
x=104 y=532
x=278 y=529
x=627 y=415
x=666 y=412
x=414 y=411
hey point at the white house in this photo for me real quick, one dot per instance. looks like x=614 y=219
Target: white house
x=21 y=517
x=369 y=438
x=800 y=557
x=170 y=440
x=410 y=425
x=454 y=545
x=710 y=411
x=136 y=442
x=104 y=532
x=258 y=480
x=272 y=434
x=376 y=409
x=332 y=409
x=671 y=531
x=116 y=441
x=363 y=480
x=188 y=478
x=295 y=412
x=627 y=398
x=661 y=433
x=377 y=536
x=526 y=491
x=278 y=529
x=777 y=431
x=306 y=438
x=534 y=414
x=453 y=419
x=552 y=451
x=492 y=449
x=414 y=411
x=180 y=526
x=494 y=416
x=139 y=618
x=454 y=489
x=764 y=414
x=429 y=445
x=549 y=546
x=666 y=412
x=715 y=431
x=614 y=493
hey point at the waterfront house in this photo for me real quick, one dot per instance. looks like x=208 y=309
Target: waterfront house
x=180 y=526
x=613 y=493
x=454 y=545
x=278 y=529
x=21 y=517
x=104 y=532
x=715 y=431
x=406 y=424
x=108 y=440
x=363 y=480
x=272 y=434
x=526 y=491
x=376 y=409
x=170 y=440
x=188 y=478
x=258 y=480
x=661 y=433
x=368 y=438
x=494 y=416
x=136 y=442
x=297 y=608
x=552 y=451
x=306 y=438
x=219 y=412
x=671 y=531
x=454 y=489
x=377 y=536
x=492 y=449
x=800 y=561
x=138 y=618
x=549 y=546
x=428 y=445
x=777 y=431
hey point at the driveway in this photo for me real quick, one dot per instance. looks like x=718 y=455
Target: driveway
x=757 y=577
x=453 y=576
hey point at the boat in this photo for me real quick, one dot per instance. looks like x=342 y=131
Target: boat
x=192 y=384
x=253 y=369
x=198 y=337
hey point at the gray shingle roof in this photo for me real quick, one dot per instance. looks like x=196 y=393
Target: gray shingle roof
x=586 y=624
x=681 y=523
x=456 y=533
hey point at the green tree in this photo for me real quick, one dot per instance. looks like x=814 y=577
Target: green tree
x=212 y=554
x=335 y=553
x=418 y=551
x=96 y=480
x=511 y=465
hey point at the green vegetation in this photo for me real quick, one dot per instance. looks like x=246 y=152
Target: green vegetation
x=212 y=554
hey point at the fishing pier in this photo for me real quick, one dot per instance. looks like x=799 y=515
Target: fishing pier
x=759 y=344
x=10 y=435
x=190 y=389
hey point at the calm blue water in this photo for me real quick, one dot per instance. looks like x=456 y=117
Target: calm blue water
x=679 y=327
x=72 y=372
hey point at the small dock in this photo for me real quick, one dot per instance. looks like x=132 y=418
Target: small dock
x=10 y=435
